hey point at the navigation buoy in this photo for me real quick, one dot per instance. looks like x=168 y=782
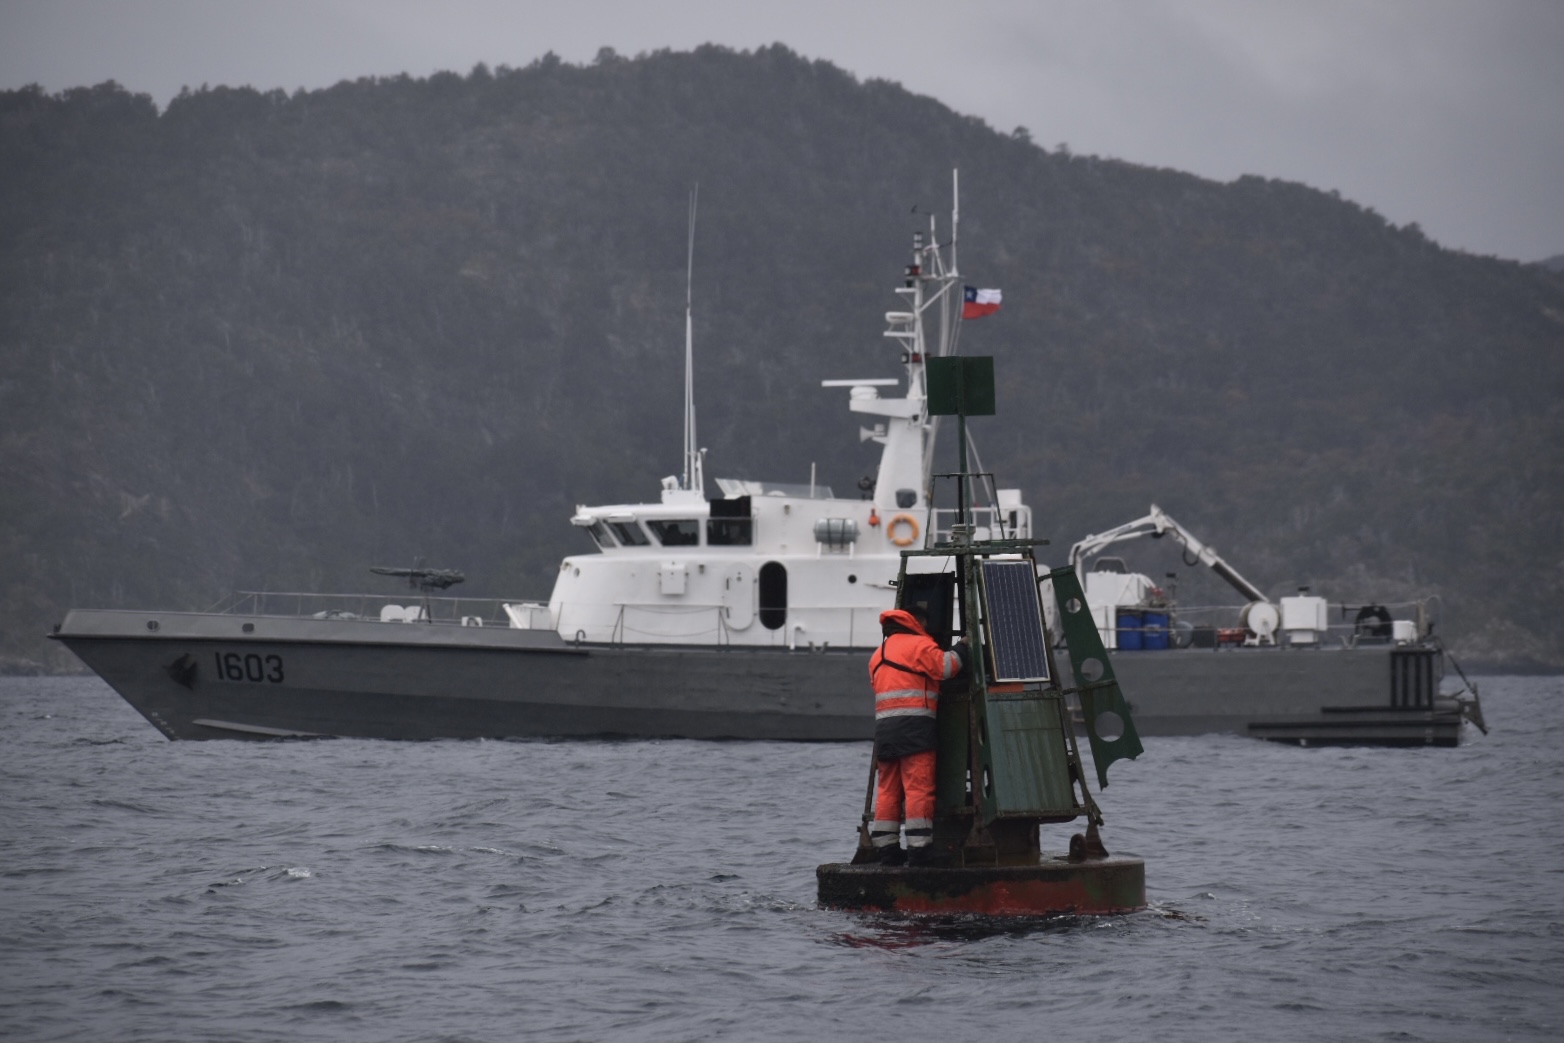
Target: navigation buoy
x=1007 y=761
x=1052 y=887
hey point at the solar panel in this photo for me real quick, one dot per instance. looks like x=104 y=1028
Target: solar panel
x=1015 y=621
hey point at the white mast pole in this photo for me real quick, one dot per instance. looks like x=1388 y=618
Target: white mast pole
x=693 y=478
x=950 y=320
x=955 y=219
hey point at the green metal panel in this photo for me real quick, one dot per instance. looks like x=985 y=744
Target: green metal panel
x=1099 y=690
x=961 y=385
x=1030 y=763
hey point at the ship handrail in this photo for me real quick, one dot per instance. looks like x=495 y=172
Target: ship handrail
x=622 y=632
x=446 y=610
x=992 y=518
x=619 y=636
x=1348 y=632
x=1188 y=610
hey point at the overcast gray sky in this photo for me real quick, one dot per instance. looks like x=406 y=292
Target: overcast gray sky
x=1447 y=113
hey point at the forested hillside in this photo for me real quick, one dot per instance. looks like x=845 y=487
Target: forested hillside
x=262 y=340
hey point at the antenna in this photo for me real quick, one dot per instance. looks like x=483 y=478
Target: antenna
x=694 y=477
x=955 y=218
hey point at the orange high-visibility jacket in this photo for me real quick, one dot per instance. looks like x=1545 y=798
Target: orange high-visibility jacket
x=906 y=670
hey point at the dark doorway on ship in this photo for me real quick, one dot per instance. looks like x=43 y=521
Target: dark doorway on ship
x=773 y=595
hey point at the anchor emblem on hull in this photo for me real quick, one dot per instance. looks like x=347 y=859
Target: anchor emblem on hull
x=183 y=670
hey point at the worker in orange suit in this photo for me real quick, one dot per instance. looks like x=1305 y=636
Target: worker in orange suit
x=906 y=671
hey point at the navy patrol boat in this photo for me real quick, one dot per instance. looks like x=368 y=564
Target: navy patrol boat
x=744 y=613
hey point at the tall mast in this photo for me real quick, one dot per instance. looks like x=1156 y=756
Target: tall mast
x=694 y=479
x=955 y=218
x=950 y=313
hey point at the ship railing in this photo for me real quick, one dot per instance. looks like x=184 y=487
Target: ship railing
x=374 y=608
x=806 y=629
x=991 y=523
x=624 y=633
x=1226 y=618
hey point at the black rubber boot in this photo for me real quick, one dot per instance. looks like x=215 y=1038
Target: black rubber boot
x=892 y=855
x=921 y=856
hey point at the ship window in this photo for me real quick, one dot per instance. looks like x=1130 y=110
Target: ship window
x=677 y=532
x=773 y=595
x=600 y=535
x=730 y=532
x=630 y=534
x=730 y=524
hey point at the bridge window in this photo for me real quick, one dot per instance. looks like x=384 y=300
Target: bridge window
x=730 y=524
x=730 y=532
x=676 y=532
x=630 y=534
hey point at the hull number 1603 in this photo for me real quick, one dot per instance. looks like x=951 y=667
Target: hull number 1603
x=231 y=666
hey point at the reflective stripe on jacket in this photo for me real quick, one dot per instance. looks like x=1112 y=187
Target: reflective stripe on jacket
x=907 y=668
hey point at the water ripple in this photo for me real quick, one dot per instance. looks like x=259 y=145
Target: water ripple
x=665 y=890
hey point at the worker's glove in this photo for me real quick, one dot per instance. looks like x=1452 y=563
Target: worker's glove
x=963 y=653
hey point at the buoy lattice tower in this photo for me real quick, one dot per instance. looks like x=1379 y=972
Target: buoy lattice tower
x=1007 y=758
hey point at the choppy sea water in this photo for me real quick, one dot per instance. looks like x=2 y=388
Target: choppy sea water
x=660 y=890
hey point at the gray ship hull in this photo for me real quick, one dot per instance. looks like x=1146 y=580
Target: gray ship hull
x=1191 y=691
x=203 y=676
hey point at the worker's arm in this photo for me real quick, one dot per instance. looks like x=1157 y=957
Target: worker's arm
x=963 y=652
x=937 y=664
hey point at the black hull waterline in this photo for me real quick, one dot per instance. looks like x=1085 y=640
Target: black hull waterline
x=204 y=676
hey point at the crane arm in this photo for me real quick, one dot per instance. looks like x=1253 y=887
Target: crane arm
x=1096 y=543
x=1158 y=524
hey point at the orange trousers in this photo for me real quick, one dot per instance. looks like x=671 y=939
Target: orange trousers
x=906 y=785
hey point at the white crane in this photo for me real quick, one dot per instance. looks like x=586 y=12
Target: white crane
x=1259 y=616
x=1156 y=525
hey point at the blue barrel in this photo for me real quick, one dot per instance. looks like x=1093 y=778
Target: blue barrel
x=1156 y=633
x=1129 y=630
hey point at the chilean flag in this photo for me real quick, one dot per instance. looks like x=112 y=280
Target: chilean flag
x=976 y=303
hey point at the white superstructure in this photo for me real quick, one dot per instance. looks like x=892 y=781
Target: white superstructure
x=774 y=564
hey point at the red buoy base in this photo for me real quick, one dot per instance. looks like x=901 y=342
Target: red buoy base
x=1051 y=887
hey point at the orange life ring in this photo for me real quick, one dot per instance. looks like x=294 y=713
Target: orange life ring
x=902 y=541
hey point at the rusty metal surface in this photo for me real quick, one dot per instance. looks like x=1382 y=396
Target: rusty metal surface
x=1053 y=887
